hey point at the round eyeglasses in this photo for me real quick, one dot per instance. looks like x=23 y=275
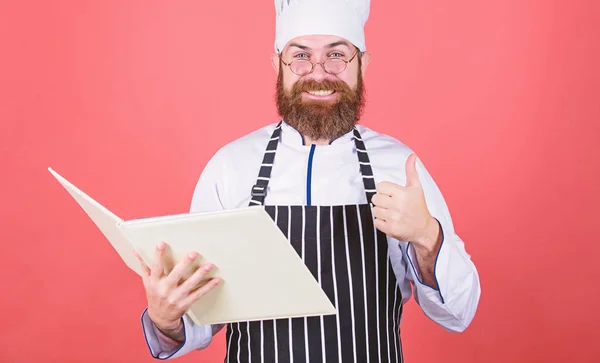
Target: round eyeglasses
x=302 y=67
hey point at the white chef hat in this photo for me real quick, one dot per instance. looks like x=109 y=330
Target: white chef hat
x=343 y=18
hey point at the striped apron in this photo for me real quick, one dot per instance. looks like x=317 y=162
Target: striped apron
x=349 y=259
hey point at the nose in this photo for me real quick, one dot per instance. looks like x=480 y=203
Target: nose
x=318 y=74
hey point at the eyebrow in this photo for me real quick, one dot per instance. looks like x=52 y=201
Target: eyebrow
x=331 y=45
x=341 y=42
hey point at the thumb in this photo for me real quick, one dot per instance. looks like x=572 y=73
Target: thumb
x=412 y=177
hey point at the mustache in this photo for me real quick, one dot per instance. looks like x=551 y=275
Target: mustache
x=326 y=85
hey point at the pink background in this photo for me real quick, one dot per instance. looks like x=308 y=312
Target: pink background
x=129 y=100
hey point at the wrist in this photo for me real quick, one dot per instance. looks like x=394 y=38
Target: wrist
x=168 y=325
x=172 y=330
x=429 y=241
x=164 y=324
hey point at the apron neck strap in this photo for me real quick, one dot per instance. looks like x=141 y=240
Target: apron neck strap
x=259 y=190
x=365 y=166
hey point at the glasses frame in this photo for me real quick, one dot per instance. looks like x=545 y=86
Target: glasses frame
x=322 y=64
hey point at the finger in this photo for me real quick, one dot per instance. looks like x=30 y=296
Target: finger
x=197 y=294
x=380 y=213
x=389 y=215
x=388 y=188
x=382 y=225
x=179 y=270
x=194 y=281
x=158 y=268
x=412 y=177
x=145 y=268
x=382 y=200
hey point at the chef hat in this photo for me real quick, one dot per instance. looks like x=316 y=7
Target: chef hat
x=343 y=18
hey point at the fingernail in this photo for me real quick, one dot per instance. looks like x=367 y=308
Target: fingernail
x=161 y=245
x=208 y=267
x=192 y=255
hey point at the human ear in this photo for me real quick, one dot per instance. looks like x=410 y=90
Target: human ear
x=364 y=60
x=275 y=62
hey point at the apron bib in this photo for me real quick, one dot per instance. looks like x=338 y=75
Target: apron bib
x=349 y=259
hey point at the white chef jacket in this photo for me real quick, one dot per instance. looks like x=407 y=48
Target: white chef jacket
x=329 y=175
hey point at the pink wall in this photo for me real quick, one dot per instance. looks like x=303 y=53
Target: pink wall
x=129 y=99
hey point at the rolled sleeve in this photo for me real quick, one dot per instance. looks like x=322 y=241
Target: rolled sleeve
x=416 y=275
x=195 y=337
x=454 y=303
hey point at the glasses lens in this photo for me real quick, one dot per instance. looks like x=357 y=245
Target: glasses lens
x=335 y=66
x=301 y=67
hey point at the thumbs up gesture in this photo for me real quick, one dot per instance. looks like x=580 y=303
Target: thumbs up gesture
x=401 y=211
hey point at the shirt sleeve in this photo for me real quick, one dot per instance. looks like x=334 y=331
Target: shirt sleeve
x=161 y=347
x=207 y=197
x=454 y=303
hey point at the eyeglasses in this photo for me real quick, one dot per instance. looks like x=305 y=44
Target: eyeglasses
x=302 y=67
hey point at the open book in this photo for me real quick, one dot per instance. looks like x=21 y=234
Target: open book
x=263 y=276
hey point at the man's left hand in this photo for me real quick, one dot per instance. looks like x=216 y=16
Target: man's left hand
x=401 y=211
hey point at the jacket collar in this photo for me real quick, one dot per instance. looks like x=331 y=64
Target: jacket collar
x=291 y=136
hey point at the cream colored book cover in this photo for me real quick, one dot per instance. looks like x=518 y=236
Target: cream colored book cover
x=263 y=276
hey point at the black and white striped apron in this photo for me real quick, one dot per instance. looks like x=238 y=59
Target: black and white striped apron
x=349 y=259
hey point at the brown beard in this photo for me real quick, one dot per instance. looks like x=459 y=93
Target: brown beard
x=321 y=120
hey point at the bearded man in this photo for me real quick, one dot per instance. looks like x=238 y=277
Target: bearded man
x=359 y=207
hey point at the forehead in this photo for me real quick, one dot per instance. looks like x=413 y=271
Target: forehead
x=317 y=42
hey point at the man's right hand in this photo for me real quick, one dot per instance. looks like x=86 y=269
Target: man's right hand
x=171 y=295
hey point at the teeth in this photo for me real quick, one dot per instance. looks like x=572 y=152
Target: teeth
x=320 y=93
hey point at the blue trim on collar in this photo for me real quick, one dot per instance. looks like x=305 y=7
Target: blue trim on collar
x=293 y=128
x=331 y=142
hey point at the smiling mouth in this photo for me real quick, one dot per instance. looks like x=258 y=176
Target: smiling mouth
x=320 y=93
